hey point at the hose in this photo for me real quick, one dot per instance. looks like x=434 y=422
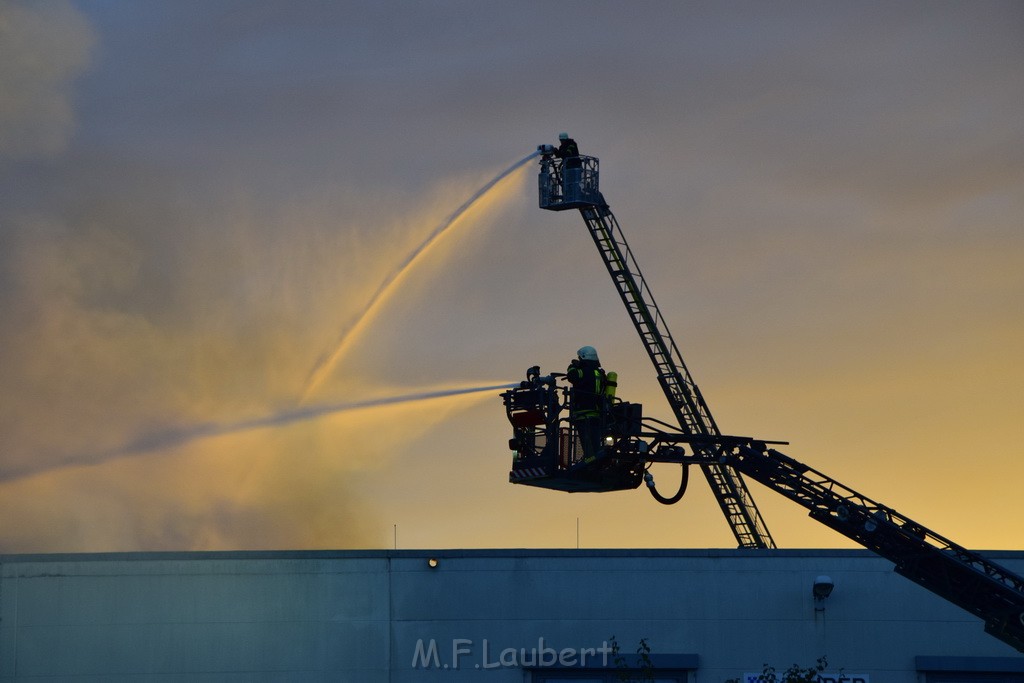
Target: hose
x=683 y=481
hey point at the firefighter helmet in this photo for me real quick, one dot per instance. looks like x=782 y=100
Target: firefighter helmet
x=563 y=136
x=587 y=353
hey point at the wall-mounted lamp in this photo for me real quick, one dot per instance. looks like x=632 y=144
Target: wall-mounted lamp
x=433 y=562
x=821 y=589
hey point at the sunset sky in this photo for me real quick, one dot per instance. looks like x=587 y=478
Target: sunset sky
x=197 y=198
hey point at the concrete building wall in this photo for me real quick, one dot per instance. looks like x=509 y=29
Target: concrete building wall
x=382 y=615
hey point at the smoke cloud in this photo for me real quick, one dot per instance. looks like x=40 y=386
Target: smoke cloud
x=43 y=47
x=180 y=334
x=197 y=198
x=104 y=356
x=280 y=486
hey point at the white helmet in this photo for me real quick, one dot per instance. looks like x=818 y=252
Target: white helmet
x=587 y=353
x=563 y=136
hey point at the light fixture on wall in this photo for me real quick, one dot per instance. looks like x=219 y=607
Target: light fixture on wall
x=821 y=589
x=433 y=562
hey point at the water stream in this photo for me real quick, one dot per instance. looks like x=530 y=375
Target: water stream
x=327 y=362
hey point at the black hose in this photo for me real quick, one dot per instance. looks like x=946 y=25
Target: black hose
x=683 y=481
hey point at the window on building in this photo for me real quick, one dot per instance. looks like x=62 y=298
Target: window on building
x=971 y=669
x=666 y=668
x=615 y=676
x=973 y=677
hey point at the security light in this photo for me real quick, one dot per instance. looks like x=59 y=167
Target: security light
x=822 y=588
x=432 y=563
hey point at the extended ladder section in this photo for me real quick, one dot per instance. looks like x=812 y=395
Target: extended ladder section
x=682 y=393
x=573 y=184
x=961 y=576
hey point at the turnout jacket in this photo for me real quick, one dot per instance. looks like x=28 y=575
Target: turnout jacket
x=589 y=383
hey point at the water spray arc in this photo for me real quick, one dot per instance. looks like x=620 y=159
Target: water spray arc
x=157 y=440
x=326 y=363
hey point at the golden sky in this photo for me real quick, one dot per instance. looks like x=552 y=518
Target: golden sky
x=198 y=199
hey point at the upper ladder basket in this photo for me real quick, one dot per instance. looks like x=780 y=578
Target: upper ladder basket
x=569 y=183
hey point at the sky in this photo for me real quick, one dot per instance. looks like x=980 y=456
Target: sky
x=197 y=199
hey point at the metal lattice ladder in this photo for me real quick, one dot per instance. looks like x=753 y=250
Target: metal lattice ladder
x=682 y=393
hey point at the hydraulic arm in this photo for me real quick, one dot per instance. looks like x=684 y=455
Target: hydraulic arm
x=544 y=458
x=961 y=576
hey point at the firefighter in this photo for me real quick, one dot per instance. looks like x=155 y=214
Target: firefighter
x=572 y=168
x=589 y=399
x=568 y=151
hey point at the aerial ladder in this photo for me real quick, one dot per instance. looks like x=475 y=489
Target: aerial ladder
x=548 y=452
x=564 y=188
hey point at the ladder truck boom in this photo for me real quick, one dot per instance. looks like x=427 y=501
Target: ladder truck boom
x=548 y=454
x=961 y=576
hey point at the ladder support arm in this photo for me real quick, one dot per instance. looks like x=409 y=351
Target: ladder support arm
x=961 y=576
